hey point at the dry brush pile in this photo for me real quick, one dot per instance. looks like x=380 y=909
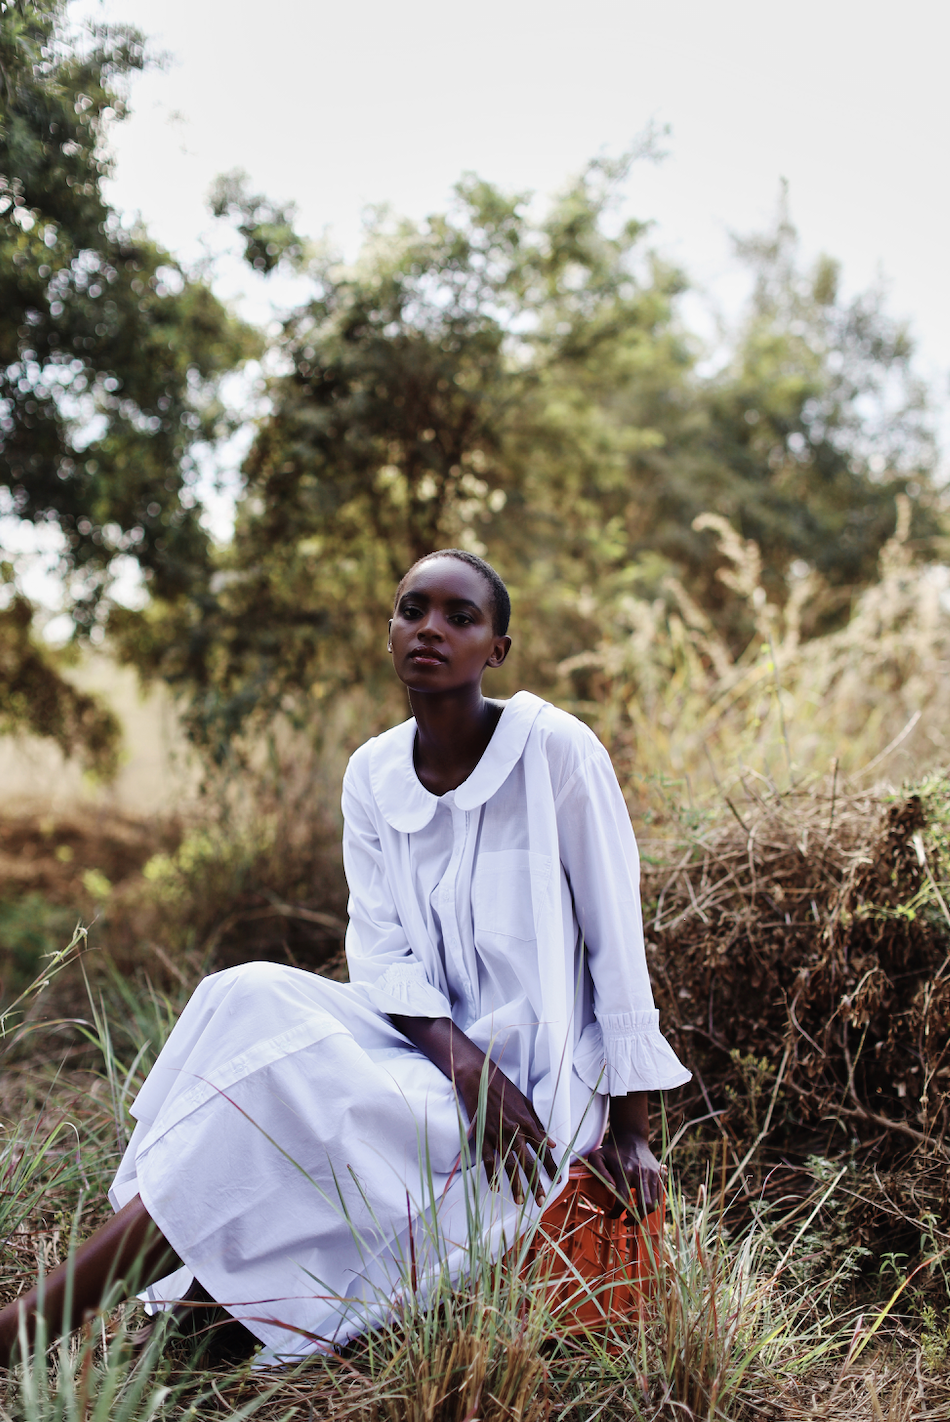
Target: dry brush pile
x=800 y=950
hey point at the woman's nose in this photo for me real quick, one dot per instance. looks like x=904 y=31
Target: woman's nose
x=429 y=626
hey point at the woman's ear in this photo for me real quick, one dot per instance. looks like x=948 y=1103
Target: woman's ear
x=500 y=650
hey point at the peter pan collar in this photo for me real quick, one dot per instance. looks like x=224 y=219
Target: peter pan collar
x=405 y=802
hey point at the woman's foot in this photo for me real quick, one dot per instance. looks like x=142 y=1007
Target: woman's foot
x=198 y=1317
x=191 y=1315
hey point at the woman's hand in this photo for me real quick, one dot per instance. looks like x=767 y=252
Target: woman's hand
x=625 y=1158
x=511 y=1136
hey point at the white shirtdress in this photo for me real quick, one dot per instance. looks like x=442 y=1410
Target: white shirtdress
x=298 y=1153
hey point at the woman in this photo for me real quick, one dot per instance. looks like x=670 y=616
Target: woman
x=299 y=1140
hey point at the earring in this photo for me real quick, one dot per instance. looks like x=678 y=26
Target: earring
x=390 y=647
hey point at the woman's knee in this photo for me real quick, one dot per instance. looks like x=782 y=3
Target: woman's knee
x=256 y=978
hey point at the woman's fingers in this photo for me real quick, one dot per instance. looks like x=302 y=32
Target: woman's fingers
x=647 y=1192
x=496 y=1162
x=531 y=1167
x=514 y=1141
x=528 y=1127
x=602 y=1167
x=546 y=1156
x=520 y=1163
x=541 y=1155
x=644 y=1182
x=626 y=1180
x=512 y=1166
x=544 y=1145
x=490 y=1162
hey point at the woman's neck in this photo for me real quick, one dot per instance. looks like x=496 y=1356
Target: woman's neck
x=452 y=734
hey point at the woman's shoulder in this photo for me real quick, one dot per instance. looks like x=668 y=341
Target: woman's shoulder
x=559 y=728
x=566 y=742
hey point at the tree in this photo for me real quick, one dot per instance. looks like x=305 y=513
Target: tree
x=453 y=386
x=525 y=388
x=109 y=350
x=35 y=697
x=813 y=425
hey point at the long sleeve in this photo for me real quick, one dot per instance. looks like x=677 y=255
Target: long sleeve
x=599 y=855
x=378 y=952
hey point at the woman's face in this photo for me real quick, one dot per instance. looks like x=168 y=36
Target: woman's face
x=441 y=631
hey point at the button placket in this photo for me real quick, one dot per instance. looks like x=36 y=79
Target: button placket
x=448 y=903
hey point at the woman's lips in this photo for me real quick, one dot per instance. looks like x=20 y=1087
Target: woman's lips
x=426 y=658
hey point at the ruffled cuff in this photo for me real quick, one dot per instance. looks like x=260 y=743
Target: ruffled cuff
x=404 y=990
x=626 y=1051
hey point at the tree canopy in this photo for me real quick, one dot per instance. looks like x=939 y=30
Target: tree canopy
x=814 y=425
x=446 y=388
x=525 y=387
x=516 y=381
x=109 y=350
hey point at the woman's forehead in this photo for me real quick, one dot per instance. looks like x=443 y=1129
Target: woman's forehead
x=447 y=579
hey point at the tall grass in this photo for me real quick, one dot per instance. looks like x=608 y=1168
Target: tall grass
x=733 y=1327
x=672 y=699
x=256 y=871
x=94 y=1377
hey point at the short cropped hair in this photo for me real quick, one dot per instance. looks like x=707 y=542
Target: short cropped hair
x=500 y=601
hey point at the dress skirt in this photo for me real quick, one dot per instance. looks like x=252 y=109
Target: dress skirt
x=304 y=1160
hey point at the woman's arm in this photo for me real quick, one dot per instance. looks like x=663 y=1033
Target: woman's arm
x=599 y=855
x=625 y=1155
x=379 y=956
x=512 y=1133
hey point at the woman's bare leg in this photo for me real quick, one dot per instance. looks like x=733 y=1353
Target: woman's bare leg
x=129 y=1246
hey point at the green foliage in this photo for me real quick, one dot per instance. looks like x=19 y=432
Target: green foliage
x=14 y=1011
x=448 y=388
x=523 y=386
x=512 y=382
x=935 y=1337
x=515 y=381
x=36 y=697
x=34 y=1166
x=254 y=873
x=267 y=230
x=31 y=929
x=110 y=351
x=813 y=425
x=100 y=1380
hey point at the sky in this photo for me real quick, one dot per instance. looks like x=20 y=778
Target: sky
x=337 y=106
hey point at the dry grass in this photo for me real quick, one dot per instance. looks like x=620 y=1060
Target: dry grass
x=741 y=1326
x=683 y=712
x=800 y=949
x=799 y=945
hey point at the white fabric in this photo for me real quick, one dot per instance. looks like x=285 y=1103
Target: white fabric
x=288 y=1133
